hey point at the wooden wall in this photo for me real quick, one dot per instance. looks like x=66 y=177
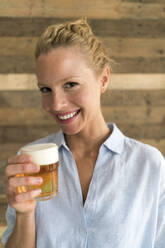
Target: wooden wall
x=134 y=32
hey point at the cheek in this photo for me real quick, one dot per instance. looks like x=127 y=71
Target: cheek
x=46 y=103
x=81 y=98
x=88 y=97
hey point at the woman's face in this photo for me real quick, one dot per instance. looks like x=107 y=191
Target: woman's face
x=70 y=89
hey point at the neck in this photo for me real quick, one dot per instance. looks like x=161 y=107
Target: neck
x=88 y=141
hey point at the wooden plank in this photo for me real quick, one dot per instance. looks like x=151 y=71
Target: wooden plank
x=32 y=99
x=120 y=114
x=9 y=46
x=151 y=131
x=117 y=81
x=138 y=65
x=145 y=1
x=3 y=198
x=22 y=64
x=91 y=9
x=17 y=64
x=116 y=47
x=8 y=150
x=133 y=47
x=26 y=134
x=18 y=82
x=140 y=81
x=3 y=207
x=133 y=98
x=34 y=26
x=138 y=115
x=26 y=116
x=22 y=98
x=58 y=8
x=159 y=144
x=142 y=11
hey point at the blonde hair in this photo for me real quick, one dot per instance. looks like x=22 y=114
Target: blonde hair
x=77 y=33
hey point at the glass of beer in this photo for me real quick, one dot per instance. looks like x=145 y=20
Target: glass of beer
x=45 y=155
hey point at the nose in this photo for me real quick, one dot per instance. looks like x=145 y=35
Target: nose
x=59 y=101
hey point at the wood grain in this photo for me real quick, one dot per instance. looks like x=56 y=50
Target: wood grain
x=119 y=114
x=9 y=46
x=32 y=99
x=34 y=26
x=3 y=207
x=145 y=1
x=130 y=81
x=29 y=133
x=138 y=65
x=59 y=8
x=133 y=98
x=145 y=131
x=116 y=47
x=14 y=81
x=137 y=81
x=25 y=133
x=133 y=47
x=91 y=9
x=9 y=150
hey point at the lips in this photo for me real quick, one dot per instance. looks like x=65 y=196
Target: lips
x=67 y=116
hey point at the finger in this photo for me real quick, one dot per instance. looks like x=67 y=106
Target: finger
x=22 y=158
x=27 y=180
x=14 y=169
x=30 y=195
x=9 y=191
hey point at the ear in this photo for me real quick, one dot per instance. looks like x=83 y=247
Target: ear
x=104 y=79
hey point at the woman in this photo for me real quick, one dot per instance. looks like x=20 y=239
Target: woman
x=111 y=187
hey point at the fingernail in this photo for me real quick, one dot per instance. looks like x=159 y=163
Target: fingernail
x=39 y=180
x=25 y=159
x=38 y=191
x=34 y=167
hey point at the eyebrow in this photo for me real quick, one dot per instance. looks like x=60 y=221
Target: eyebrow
x=65 y=79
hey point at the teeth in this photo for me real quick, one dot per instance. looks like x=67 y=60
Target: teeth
x=65 y=117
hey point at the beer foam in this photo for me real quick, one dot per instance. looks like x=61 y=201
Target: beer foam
x=42 y=154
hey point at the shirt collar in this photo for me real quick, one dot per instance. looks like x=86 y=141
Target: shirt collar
x=60 y=140
x=114 y=142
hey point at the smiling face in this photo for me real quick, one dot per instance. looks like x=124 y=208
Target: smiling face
x=70 y=89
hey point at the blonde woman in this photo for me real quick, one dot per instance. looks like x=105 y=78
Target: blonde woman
x=111 y=187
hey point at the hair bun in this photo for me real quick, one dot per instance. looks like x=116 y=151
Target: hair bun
x=80 y=27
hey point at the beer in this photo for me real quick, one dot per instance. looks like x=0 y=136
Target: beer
x=45 y=155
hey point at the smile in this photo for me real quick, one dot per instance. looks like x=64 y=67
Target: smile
x=67 y=116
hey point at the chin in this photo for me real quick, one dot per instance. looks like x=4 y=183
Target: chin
x=70 y=131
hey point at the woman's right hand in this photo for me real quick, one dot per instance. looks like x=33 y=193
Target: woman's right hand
x=23 y=203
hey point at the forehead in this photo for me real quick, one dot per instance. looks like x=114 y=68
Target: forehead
x=61 y=63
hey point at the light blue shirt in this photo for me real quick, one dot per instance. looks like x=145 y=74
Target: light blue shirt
x=125 y=205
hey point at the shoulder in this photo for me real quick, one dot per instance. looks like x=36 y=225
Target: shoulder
x=143 y=152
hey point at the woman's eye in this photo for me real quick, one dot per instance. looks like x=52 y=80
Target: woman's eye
x=45 y=90
x=69 y=85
